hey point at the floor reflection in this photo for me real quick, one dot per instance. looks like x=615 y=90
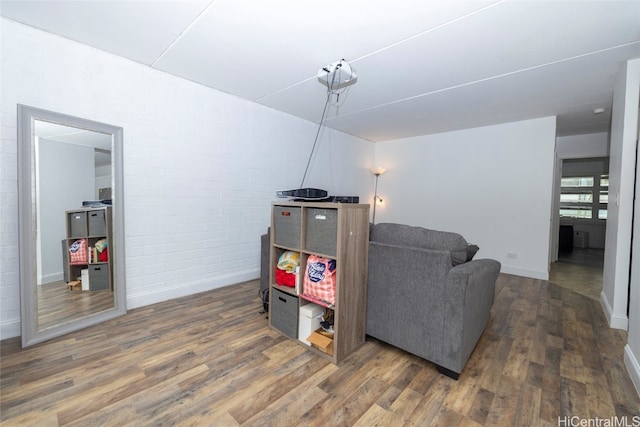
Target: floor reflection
x=579 y=270
x=58 y=305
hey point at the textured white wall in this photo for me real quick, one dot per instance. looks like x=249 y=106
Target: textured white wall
x=491 y=184
x=201 y=166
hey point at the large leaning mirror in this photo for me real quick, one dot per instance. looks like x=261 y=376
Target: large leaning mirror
x=71 y=223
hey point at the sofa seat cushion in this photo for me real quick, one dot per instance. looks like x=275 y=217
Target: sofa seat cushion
x=419 y=237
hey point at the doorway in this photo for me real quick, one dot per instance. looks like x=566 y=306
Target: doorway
x=582 y=211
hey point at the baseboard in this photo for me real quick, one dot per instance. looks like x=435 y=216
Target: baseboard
x=631 y=362
x=10 y=329
x=533 y=274
x=141 y=299
x=615 y=321
x=50 y=278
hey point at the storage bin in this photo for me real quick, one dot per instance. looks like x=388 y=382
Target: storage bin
x=97 y=224
x=309 y=321
x=286 y=221
x=98 y=277
x=284 y=313
x=77 y=224
x=321 y=231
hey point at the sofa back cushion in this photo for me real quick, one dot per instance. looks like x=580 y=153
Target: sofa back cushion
x=418 y=237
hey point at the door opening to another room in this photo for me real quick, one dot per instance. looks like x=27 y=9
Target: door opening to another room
x=584 y=196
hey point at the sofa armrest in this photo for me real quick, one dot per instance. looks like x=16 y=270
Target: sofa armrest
x=484 y=271
x=469 y=295
x=405 y=294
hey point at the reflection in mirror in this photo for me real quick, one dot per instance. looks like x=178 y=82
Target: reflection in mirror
x=73 y=166
x=71 y=225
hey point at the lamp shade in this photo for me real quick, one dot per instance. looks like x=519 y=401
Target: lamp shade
x=379 y=170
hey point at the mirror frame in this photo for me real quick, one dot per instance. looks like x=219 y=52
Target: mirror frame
x=27 y=224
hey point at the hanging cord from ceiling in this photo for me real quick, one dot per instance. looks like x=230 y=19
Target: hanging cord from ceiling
x=315 y=141
x=341 y=90
x=331 y=90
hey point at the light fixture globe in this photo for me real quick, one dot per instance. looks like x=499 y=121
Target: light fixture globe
x=377 y=171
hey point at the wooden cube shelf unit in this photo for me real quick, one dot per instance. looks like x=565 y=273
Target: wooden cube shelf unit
x=337 y=231
x=91 y=224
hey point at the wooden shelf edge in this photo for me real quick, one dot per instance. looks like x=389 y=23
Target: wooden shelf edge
x=286 y=289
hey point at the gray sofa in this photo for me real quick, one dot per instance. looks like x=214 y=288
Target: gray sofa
x=264 y=261
x=425 y=296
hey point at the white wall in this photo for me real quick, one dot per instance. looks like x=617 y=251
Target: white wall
x=583 y=146
x=103 y=179
x=632 y=350
x=491 y=184
x=201 y=166
x=66 y=178
x=624 y=122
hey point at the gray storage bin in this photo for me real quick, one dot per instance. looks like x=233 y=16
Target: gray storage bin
x=77 y=224
x=321 y=231
x=286 y=221
x=284 y=313
x=98 y=277
x=97 y=224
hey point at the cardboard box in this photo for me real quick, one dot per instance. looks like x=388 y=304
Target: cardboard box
x=309 y=320
x=320 y=340
x=75 y=285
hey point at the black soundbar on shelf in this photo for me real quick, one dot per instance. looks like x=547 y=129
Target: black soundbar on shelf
x=304 y=193
x=315 y=194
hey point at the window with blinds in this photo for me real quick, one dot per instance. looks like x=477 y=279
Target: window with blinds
x=584 y=197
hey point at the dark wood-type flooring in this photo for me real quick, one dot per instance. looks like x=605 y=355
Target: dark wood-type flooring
x=211 y=360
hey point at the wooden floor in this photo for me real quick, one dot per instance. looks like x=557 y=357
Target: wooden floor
x=579 y=270
x=210 y=360
x=587 y=257
x=58 y=305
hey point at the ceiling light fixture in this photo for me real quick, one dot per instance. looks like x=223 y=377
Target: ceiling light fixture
x=337 y=75
x=598 y=110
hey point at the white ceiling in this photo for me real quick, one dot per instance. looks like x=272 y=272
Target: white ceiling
x=423 y=66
